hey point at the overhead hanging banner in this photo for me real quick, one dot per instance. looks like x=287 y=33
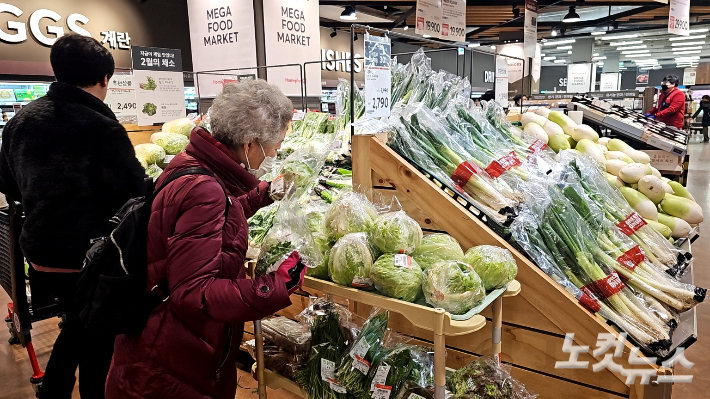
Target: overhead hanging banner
x=160 y=91
x=537 y=63
x=609 y=81
x=222 y=39
x=378 y=75
x=121 y=95
x=689 y=75
x=679 y=17
x=579 y=78
x=292 y=36
x=530 y=31
x=501 y=87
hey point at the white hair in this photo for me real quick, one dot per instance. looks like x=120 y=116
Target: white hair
x=250 y=110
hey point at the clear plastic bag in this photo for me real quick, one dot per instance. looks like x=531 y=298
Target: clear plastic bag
x=453 y=286
x=314 y=213
x=172 y=143
x=494 y=265
x=398 y=276
x=355 y=365
x=396 y=232
x=435 y=248
x=352 y=212
x=351 y=260
x=275 y=359
x=486 y=378
x=289 y=335
x=289 y=233
x=300 y=171
x=393 y=366
x=411 y=390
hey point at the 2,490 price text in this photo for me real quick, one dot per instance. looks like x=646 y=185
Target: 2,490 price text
x=125 y=106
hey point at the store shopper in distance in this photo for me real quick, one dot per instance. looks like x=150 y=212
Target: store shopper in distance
x=671 y=103
x=705 y=109
x=197 y=243
x=70 y=163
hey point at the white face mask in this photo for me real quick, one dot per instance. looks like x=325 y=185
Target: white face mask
x=265 y=166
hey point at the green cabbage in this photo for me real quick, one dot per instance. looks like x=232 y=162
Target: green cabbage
x=495 y=265
x=180 y=126
x=350 y=213
x=399 y=282
x=351 y=261
x=453 y=286
x=435 y=248
x=142 y=161
x=315 y=218
x=151 y=153
x=395 y=232
x=153 y=171
x=172 y=143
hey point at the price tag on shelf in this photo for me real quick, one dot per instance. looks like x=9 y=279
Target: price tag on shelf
x=121 y=96
x=360 y=349
x=382 y=392
x=402 y=260
x=656 y=141
x=380 y=377
x=378 y=75
x=327 y=370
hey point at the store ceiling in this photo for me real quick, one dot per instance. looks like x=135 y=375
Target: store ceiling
x=492 y=22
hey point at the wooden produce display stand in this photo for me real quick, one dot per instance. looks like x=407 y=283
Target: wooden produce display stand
x=140 y=134
x=535 y=322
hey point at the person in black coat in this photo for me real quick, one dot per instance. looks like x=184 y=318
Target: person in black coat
x=71 y=164
x=705 y=108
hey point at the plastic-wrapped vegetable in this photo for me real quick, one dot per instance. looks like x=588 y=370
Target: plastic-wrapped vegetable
x=410 y=390
x=398 y=276
x=435 y=248
x=180 y=126
x=396 y=365
x=395 y=232
x=143 y=162
x=315 y=219
x=351 y=261
x=275 y=359
x=301 y=168
x=453 y=286
x=485 y=378
x=153 y=171
x=494 y=265
x=151 y=153
x=354 y=367
x=289 y=335
x=350 y=213
x=172 y=143
x=289 y=233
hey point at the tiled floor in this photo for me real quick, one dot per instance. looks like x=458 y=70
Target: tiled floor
x=15 y=369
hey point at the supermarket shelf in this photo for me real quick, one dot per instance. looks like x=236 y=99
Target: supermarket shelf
x=276 y=381
x=421 y=316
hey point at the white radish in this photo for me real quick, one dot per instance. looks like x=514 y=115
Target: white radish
x=613 y=166
x=641 y=204
x=603 y=149
x=584 y=132
x=633 y=172
x=544 y=112
x=652 y=187
x=682 y=208
x=655 y=172
x=588 y=147
x=667 y=188
x=680 y=190
x=552 y=129
x=531 y=117
x=603 y=141
x=536 y=131
x=565 y=122
x=618 y=155
x=679 y=227
x=637 y=156
x=614 y=180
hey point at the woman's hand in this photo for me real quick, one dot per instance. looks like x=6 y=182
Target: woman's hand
x=291 y=272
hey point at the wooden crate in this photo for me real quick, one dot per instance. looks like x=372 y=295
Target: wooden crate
x=140 y=134
x=535 y=322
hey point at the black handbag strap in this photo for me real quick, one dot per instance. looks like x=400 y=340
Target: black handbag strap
x=194 y=170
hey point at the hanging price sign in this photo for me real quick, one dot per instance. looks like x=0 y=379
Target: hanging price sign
x=378 y=75
x=679 y=17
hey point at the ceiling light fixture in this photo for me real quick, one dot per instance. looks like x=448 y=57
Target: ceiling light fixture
x=600 y=58
x=549 y=58
x=558 y=42
x=686 y=52
x=334 y=33
x=559 y=61
x=356 y=37
x=571 y=16
x=348 y=14
x=636 y=55
x=474 y=44
x=516 y=12
x=406 y=27
x=626 y=43
x=493 y=47
x=564 y=48
x=687 y=48
x=692 y=57
x=598 y=32
x=635 y=51
x=687 y=44
x=554 y=32
x=701 y=30
x=619 y=37
x=569 y=52
x=628 y=48
x=426 y=36
x=675 y=39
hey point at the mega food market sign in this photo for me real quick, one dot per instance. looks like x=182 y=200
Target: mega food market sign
x=16 y=31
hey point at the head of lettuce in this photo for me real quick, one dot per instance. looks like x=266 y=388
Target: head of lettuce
x=495 y=265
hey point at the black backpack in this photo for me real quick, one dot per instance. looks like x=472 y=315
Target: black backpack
x=111 y=291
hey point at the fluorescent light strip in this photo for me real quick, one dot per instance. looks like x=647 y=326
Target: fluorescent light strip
x=626 y=43
x=687 y=48
x=626 y=48
x=621 y=37
x=636 y=52
x=637 y=55
x=701 y=30
x=598 y=33
x=558 y=42
x=675 y=39
x=599 y=58
x=549 y=58
x=687 y=44
x=564 y=48
x=686 y=52
x=559 y=61
x=691 y=58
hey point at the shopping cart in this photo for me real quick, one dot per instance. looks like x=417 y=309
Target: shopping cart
x=28 y=304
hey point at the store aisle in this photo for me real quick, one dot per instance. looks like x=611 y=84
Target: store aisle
x=15 y=370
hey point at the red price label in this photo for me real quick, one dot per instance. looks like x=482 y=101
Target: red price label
x=497 y=168
x=537 y=146
x=632 y=257
x=631 y=224
x=606 y=287
x=464 y=172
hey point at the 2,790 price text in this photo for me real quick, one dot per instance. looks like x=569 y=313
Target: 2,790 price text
x=380 y=102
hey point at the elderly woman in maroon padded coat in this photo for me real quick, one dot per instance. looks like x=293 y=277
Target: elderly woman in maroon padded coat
x=188 y=346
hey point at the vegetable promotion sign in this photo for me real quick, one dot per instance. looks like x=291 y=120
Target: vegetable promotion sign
x=378 y=75
x=160 y=90
x=221 y=38
x=292 y=36
x=442 y=19
x=121 y=96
